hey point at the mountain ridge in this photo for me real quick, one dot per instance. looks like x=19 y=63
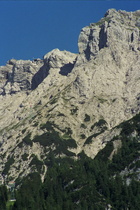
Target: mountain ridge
x=77 y=98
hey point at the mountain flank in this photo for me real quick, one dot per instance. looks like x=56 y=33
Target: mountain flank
x=67 y=103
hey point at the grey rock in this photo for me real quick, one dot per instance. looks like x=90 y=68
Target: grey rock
x=116 y=28
x=73 y=92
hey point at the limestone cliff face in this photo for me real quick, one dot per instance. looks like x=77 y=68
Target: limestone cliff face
x=79 y=96
x=116 y=29
x=109 y=51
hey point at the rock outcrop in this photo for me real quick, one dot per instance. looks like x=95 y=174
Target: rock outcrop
x=114 y=30
x=75 y=96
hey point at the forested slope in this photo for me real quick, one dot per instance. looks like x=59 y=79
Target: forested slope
x=87 y=184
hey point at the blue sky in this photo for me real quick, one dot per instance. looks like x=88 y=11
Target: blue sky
x=30 y=29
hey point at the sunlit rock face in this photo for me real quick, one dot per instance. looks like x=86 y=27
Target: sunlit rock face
x=79 y=96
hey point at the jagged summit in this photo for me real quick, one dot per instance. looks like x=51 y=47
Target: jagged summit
x=78 y=98
x=115 y=29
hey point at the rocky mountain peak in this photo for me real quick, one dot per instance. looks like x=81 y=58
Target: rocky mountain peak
x=115 y=29
x=57 y=58
x=69 y=102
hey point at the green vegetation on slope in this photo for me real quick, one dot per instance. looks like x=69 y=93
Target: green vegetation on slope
x=86 y=184
x=51 y=137
x=83 y=184
x=3 y=197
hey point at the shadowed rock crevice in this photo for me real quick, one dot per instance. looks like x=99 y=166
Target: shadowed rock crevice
x=102 y=39
x=39 y=77
x=66 y=69
x=55 y=62
x=88 y=50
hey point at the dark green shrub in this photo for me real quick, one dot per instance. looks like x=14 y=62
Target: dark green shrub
x=37 y=163
x=25 y=157
x=83 y=136
x=8 y=164
x=100 y=123
x=27 y=140
x=47 y=125
x=89 y=139
x=73 y=111
x=20 y=145
x=70 y=143
x=44 y=139
x=105 y=153
x=23 y=131
x=68 y=131
x=87 y=118
x=83 y=126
